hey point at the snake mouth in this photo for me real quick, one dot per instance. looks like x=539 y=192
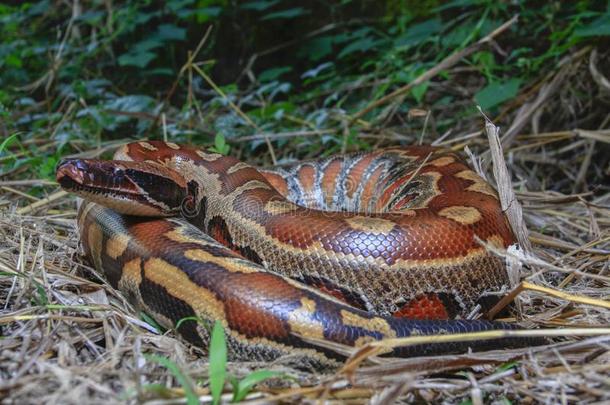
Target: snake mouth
x=94 y=177
x=134 y=188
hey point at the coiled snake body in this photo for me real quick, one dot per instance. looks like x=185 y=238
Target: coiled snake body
x=345 y=249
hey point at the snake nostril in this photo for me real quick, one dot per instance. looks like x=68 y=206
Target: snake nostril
x=80 y=164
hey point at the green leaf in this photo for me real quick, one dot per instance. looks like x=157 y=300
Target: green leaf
x=146 y=45
x=289 y=13
x=360 y=45
x=496 y=93
x=419 y=91
x=191 y=397
x=599 y=27
x=177 y=5
x=220 y=144
x=204 y=14
x=171 y=32
x=141 y=59
x=218 y=362
x=242 y=388
x=13 y=61
x=47 y=169
x=273 y=73
x=318 y=48
x=418 y=33
x=259 y=5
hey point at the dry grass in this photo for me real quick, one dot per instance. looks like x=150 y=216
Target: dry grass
x=67 y=337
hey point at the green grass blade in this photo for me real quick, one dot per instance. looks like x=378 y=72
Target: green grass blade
x=218 y=362
x=7 y=141
x=191 y=397
x=243 y=387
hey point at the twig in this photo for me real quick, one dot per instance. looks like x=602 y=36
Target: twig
x=525 y=285
x=508 y=200
x=45 y=201
x=282 y=135
x=33 y=182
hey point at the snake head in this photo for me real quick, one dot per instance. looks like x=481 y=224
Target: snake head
x=132 y=188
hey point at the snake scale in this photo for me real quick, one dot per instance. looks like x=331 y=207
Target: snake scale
x=345 y=249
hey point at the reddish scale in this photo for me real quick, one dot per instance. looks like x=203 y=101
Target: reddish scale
x=427 y=306
x=253 y=301
x=332 y=292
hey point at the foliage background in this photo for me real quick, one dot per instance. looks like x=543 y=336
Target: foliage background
x=78 y=73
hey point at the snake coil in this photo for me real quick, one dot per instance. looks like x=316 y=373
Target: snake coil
x=345 y=249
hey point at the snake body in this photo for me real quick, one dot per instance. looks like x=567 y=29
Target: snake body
x=345 y=249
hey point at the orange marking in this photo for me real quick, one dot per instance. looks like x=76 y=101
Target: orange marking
x=369 y=188
x=329 y=180
x=307 y=176
x=277 y=182
x=332 y=292
x=427 y=306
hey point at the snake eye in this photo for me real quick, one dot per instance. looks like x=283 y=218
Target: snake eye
x=118 y=172
x=188 y=207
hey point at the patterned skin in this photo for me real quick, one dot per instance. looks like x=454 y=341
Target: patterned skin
x=321 y=251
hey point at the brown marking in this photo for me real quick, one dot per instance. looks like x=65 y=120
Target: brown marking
x=280 y=207
x=227 y=263
x=363 y=340
x=131 y=276
x=209 y=157
x=442 y=161
x=147 y=146
x=370 y=224
x=478 y=184
x=95 y=239
x=178 y=236
x=172 y=145
x=373 y=324
x=461 y=214
x=237 y=167
x=116 y=245
x=302 y=322
x=179 y=285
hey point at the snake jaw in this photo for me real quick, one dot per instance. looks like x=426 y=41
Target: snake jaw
x=123 y=186
x=70 y=171
x=94 y=176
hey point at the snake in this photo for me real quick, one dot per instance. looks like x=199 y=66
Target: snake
x=298 y=259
